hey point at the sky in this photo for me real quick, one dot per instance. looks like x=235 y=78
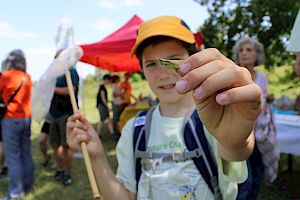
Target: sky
x=31 y=25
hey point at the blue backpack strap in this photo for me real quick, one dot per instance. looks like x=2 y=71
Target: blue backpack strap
x=139 y=134
x=194 y=138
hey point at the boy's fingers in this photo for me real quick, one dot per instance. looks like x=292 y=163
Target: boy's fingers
x=222 y=80
x=76 y=116
x=78 y=135
x=76 y=124
x=250 y=93
x=201 y=58
x=81 y=135
x=198 y=75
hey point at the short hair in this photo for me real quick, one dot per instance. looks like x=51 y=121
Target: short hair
x=4 y=65
x=127 y=74
x=191 y=48
x=16 y=60
x=115 y=78
x=260 y=59
x=106 y=77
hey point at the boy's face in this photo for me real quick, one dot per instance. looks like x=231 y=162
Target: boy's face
x=162 y=79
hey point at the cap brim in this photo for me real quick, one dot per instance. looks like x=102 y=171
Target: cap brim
x=174 y=31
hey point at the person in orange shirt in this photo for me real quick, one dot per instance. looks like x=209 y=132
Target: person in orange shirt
x=3 y=168
x=126 y=88
x=16 y=124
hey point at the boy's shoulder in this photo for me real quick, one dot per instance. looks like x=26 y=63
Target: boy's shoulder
x=140 y=118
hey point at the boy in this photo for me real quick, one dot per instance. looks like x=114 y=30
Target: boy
x=227 y=101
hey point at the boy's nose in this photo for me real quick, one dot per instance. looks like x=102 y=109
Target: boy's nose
x=164 y=69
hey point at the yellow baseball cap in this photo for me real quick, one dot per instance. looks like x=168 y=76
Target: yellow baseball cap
x=163 y=26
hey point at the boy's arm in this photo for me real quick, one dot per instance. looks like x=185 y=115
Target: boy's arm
x=63 y=90
x=237 y=153
x=80 y=130
x=226 y=98
x=102 y=94
x=110 y=187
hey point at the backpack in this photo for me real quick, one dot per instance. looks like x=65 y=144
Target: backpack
x=196 y=144
x=198 y=151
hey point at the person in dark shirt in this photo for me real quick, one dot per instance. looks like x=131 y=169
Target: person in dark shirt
x=60 y=110
x=102 y=105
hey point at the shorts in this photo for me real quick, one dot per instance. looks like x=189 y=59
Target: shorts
x=104 y=114
x=58 y=131
x=46 y=128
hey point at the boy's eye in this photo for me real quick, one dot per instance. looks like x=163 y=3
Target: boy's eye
x=176 y=59
x=151 y=64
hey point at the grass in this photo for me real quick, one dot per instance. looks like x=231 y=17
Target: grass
x=287 y=186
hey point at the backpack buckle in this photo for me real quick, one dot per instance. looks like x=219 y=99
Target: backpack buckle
x=149 y=164
x=178 y=157
x=197 y=153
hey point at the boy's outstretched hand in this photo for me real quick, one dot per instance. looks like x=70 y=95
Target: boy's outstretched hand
x=227 y=99
x=80 y=130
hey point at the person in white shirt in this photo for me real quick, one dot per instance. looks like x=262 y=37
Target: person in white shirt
x=223 y=94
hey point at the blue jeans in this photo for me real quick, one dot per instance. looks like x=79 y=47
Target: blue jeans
x=17 y=149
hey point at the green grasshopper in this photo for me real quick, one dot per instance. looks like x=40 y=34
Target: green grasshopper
x=172 y=64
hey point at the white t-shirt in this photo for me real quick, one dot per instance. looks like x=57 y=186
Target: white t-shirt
x=172 y=180
x=116 y=100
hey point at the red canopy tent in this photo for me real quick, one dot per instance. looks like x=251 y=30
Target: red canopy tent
x=113 y=52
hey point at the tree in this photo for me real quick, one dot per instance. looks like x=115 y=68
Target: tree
x=269 y=21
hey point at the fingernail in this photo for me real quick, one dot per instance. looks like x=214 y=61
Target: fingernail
x=222 y=98
x=185 y=68
x=198 y=92
x=181 y=85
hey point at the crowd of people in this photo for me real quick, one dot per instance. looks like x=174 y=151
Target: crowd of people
x=201 y=102
x=17 y=164
x=15 y=144
x=121 y=98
